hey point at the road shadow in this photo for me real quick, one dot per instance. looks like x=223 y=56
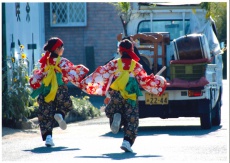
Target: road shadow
x=176 y=130
x=10 y=131
x=169 y=130
x=119 y=156
x=50 y=149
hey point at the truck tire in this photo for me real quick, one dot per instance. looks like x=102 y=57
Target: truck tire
x=216 y=120
x=206 y=117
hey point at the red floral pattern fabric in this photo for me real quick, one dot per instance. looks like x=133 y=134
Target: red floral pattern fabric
x=99 y=81
x=70 y=73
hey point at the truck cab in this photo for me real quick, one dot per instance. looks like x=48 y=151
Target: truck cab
x=194 y=79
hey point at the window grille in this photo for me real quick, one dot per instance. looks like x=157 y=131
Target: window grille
x=68 y=14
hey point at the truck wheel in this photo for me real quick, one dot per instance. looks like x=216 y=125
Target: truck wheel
x=217 y=114
x=206 y=118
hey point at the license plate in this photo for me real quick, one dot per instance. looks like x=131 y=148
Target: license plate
x=151 y=99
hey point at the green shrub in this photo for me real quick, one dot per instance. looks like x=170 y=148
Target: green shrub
x=17 y=105
x=16 y=93
x=82 y=109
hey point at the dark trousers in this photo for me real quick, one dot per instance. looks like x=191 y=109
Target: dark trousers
x=61 y=104
x=130 y=115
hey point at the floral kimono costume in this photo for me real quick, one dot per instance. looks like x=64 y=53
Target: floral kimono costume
x=49 y=84
x=121 y=79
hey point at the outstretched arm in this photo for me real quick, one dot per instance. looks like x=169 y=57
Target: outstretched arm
x=151 y=83
x=72 y=73
x=99 y=81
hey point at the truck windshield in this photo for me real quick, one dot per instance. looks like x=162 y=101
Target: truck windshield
x=174 y=27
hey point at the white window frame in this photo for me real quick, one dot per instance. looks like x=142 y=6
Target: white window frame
x=70 y=24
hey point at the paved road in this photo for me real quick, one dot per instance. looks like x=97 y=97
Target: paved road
x=169 y=140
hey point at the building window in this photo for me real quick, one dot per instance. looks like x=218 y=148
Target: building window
x=68 y=14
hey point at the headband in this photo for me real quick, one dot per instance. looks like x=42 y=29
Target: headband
x=130 y=53
x=57 y=44
x=43 y=60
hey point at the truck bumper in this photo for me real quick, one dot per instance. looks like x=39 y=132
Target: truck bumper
x=174 y=109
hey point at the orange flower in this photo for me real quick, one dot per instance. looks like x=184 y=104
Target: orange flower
x=23 y=55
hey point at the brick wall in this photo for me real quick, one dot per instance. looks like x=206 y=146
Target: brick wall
x=103 y=25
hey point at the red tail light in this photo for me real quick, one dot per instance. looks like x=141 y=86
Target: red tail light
x=194 y=93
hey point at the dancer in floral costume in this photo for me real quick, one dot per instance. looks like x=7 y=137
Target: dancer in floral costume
x=120 y=79
x=49 y=84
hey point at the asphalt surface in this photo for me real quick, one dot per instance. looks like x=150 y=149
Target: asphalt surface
x=159 y=140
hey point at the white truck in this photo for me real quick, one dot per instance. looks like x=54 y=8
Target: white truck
x=191 y=53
